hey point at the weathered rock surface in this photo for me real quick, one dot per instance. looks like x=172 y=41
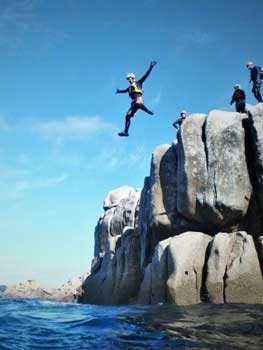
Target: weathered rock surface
x=233 y=270
x=153 y=288
x=192 y=176
x=119 y=212
x=186 y=259
x=119 y=276
x=189 y=235
x=158 y=201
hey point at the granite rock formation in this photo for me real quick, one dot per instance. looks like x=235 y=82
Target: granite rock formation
x=194 y=232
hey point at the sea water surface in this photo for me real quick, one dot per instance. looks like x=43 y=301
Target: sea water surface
x=38 y=324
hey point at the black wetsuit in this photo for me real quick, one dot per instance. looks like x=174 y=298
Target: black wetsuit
x=255 y=78
x=239 y=97
x=179 y=122
x=135 y=92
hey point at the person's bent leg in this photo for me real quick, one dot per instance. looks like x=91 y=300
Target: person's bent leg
x=144 y=108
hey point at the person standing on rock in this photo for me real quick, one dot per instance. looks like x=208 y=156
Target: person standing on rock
x=135 y=92
x=256 y=75
x=177 y=124
x=239 y=97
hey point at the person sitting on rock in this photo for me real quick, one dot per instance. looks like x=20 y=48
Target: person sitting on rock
x=255 y=77
x=180 y=120
x=135 y=92
x=239 y=97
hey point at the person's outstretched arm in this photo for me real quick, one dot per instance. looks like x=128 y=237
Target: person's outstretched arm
x=118 y=91
x=152 y=64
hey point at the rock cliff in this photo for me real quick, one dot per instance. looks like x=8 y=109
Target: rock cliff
x=195 y=231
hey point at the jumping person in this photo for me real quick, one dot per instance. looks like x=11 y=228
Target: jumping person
x=180 y=121
x=255 y=77
x=135 y=92
x=239 y=97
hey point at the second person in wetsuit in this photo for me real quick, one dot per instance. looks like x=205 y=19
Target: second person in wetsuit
x=135 y=92
x=239 y=97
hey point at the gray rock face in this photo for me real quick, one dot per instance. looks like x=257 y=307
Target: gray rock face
x=243 y=267
x=111 y=266
x=176 y=267
x=254 y=127
x=192 y=177
x=118 y=279
x=158 y=204
x=214 y=185
x=210 y=180
x=233 y=270
x=186 y=259
x=119 y=212
x=128 y=272
x=153 y=288
x=99 y=285
x=229 y=189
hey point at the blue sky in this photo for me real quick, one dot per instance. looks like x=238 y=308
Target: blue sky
x=61 y=62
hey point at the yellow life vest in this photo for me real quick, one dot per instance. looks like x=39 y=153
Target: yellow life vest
x=134 y=88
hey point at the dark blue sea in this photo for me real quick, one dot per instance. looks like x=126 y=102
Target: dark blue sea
x=39 y=324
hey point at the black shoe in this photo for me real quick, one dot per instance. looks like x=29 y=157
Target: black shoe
x=151 y=113
x=123 y=133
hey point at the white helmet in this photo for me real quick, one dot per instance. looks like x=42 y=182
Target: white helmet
x=183 y=113
x=237 y=86
x=249 y=63
x=130 y=75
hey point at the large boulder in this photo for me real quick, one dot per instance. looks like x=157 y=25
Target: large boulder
x=233 y=270
x=153 y=288
x=177 y=266
x=225 y=199
x=185 y=263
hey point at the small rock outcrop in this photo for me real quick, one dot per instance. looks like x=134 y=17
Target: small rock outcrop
x=194 y=232
x=115 y=272
x=3 y=287
x=28 y=289
x=233 y=270
x=68 y=292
